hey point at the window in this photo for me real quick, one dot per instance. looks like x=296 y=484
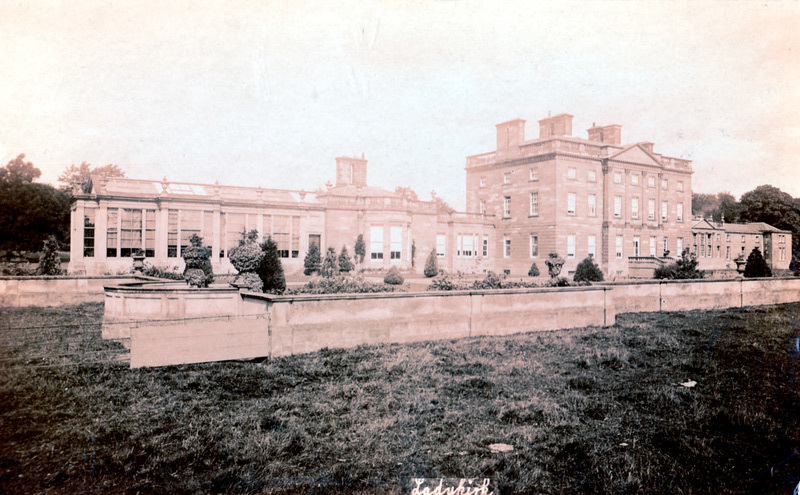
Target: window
x=617 y=178
x=222 y=218
x=664 y=184
x=636 y=245
x=635 y=179
x=112 y=232
x=664 y=208
x=507 y=178
x=757 y=238
x=376 y=242
x=679 y=246
x=718 y=237
x=506 y=247
x=782 y=254
x=486 y=246
x=653 y=246
x=507 y=207
x=315 y=240
x=679 y=213
x=718 y=251
x=727 y=252
x=591 y=176
x=172 y=234
x=570 y=246
x=651 y=209
x=742 y=237
x=88 y=231
x=570 y=203
x=571 y=173
x=651 y=182
x=534 y=244
x=150 y=233
x=130 y=232
x=483 y=207
x=634 y=207
x=679 y=185
x=535 y=204
x=191 y=223
x=592 y=246
x=466 y=250
x=617 y=206
x=396 y=242
x=781 y=239
x=483 y=182
x=727 y=237
x=618 y=245
x=592 y=205
x=534 y=174
x=666 y=247
x=441 y=243
x=295 y=236
x=235 y=223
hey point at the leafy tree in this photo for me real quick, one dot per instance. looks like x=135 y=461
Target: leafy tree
x=29 y=212
x=413 y=252
x=703 y=204
x=18 y=170
x=729 y=209
x=534 y=270
x=312 y=261
x=270 y=269
x=78 y=176
x=441 y=205
x=49 y=260
x=431 y=265
x=345 y=263
x=330 y=265
x=554 y=264
x=407 y=193
x=588 y=271
x=756 y=265
x=775 y=207
x=683 y=268
x=360 y=249
x=198 y=272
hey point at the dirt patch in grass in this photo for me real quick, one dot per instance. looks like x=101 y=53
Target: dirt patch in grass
x=594 y=410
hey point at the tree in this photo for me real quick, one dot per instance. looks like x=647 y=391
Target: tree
x=441 y=205
x=49 y=261
x=588 y=271
x=728 y=210
x=771 y=205
x=431 y=265
x=360 y=249
x=393 y=277
x=345 y=263
x=78 y=176
x=534 y=270
x=18 y=170
x=413 y=252
x=270 y=269
x=756 y=265
x=554 y=264
x=330 y=265
x=312 y=261
x=29 y=212
x=407 y=193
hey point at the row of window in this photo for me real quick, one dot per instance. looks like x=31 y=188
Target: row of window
x=591 y=176
x=591 y=246
x=591 y=203
x=131 y=230
x=376 y=242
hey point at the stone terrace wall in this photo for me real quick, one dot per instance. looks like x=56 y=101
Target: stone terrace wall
x=17 y=292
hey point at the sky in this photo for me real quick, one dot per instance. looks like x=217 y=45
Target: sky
x=268 y=93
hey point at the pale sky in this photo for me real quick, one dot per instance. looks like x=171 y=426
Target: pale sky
x=269 y=92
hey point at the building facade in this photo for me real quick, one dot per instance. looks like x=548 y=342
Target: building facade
x=718 y=245
x=625 y=205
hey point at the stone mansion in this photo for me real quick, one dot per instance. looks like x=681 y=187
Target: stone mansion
x=627 y=206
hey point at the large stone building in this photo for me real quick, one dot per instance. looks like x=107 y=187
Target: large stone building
x=718 y=245
x=623 y=204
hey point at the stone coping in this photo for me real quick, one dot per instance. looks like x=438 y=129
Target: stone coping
x=647 y=281
x=75 y=277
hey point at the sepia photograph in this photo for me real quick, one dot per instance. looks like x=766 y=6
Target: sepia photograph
x=417 y=247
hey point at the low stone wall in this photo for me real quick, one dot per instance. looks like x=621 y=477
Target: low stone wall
x=17 y=292
x=133 y=305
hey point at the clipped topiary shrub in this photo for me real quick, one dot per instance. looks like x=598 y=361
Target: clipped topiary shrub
x=360 y=249
x=345 y=263
x=684 y=268
x=197 y=257
x=588 y=271
x=431 y=265
x=330 y=265
x=554 y=264
x=49 y=261
x=756 y=265
x=393 y=277
x=312 y=261
x=534 y=271
x=270 y=269
x=250 y=281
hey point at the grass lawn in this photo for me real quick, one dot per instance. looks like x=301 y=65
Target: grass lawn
x=590 y=410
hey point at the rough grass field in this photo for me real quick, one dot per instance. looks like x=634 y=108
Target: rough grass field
x=594 y=410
